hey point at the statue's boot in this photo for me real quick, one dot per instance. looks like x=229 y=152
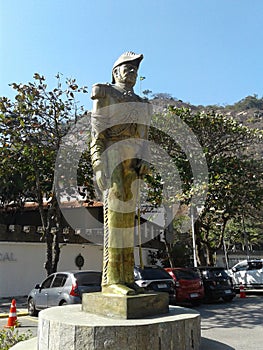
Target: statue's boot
x=128 y=270
x=117 y=289
x=136 y=288
x=114 y=281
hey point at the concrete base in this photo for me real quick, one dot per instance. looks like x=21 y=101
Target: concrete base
x=126 y=306
x=30 y=344
x=70 y=328
x=67 y=327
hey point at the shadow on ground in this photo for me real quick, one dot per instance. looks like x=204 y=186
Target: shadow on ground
x=243 y=313
x=209 y=344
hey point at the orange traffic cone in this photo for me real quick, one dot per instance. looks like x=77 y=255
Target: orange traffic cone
x=242 y=292
x=12 y=319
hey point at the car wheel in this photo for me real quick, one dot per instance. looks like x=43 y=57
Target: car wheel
x=62 y=303
x=32 y=308
x=228 y=298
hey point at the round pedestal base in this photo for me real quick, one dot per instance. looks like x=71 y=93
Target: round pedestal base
x=69 y=328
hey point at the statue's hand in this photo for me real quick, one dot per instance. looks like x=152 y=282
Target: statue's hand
x=102 y=180
x=144 y=168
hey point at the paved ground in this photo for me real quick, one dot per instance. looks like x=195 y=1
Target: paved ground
x=224 y=326
x=21 y=306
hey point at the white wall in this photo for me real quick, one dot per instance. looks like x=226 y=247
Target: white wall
x=22 y=264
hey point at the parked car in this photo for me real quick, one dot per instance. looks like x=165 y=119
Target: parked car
x=249 y=273
x=217 y=283
x=62 y=288
x=155 y=279
x=188 y=284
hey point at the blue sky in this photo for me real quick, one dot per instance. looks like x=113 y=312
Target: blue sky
x=200 y=51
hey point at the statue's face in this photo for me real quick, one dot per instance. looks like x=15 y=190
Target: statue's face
x=126 y=73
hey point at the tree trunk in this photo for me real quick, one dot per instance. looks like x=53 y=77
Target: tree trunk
x=58 y=221
x=209 y=256
x=200 y=253
x=201 y=260
x=49 y=242
x=169 y=253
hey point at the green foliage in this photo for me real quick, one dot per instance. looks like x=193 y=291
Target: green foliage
x=163 y=96
x=147 y=92
x=31 y=131
x=234 y=165
x=247 y=103
x=10 y=337
x=239 y=233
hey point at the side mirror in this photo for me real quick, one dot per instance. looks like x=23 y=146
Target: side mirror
x=234 y=269
x=37 y=286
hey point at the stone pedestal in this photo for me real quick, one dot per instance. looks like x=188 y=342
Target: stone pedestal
x=126 y=306
x=70 y=328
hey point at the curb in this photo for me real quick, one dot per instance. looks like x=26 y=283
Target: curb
x=19 y=313
x=30 y=344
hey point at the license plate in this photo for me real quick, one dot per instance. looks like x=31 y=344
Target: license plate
x=227 y=291
x=194 y=295
x=162 y=285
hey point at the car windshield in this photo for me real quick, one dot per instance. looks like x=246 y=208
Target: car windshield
x=185 y=274
x=153 y=274
x=88 y=278
x=216 y=273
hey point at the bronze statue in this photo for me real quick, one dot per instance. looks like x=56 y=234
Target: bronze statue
x=120 y=124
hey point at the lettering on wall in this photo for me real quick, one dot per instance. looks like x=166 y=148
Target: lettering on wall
x=7 y=256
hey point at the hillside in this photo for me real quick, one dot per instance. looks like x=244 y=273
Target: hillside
x=248 y=111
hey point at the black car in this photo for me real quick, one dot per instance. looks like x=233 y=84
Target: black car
x=155 y=279
x=217 y=283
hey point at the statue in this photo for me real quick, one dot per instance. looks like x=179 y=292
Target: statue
x=120 y=123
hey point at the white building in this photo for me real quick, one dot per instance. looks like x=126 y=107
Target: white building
x=23 y=254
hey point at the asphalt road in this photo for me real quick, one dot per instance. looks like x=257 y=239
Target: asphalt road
x=237 y=325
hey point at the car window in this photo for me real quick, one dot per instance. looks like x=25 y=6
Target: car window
x=88 y=278
x=47 y=282
x=185 y=274
x=59 y=280
x=152 y=274
x=218 y=273
x=214 y=273
x=241 y=267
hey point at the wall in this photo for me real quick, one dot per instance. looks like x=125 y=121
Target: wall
x=234 y=258
x=22 y=264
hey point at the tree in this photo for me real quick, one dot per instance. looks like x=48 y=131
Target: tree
x=31 y=129
x=235 y=173
x=147 y=92
x=163 y=96
x=244 y=235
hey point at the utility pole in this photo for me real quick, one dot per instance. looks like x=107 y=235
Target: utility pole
x=192 y=214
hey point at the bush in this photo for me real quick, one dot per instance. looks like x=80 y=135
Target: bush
x=9 y=337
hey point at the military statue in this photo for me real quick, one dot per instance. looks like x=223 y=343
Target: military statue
x=120 y=123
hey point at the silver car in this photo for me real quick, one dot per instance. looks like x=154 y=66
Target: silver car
x=62 y=288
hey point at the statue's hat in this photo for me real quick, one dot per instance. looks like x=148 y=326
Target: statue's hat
x=130 y=57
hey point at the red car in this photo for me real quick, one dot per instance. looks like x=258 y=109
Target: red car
x=188 y=284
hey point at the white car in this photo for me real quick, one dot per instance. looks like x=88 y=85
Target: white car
x=249 y=273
